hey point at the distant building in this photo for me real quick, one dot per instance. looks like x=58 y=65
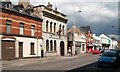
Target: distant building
x=79 y=36
x=114 y=43
x=106 y=41
x=54 y=30
x=21 y=32
x=89 y=38
x=96 y=42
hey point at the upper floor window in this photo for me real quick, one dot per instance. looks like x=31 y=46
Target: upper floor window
x=8 y=26
x=60 y=27
x=50 y=26
x=63 y=29
x=32 y=30
x=47 y=26
x=21 y=28
x=54 y=27
x=8 y=6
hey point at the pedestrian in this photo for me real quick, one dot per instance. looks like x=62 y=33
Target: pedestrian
x=69 y=52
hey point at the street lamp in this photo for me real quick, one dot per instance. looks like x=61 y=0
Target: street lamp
x=74 y=32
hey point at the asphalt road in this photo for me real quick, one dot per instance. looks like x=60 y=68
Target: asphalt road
x=83 y=64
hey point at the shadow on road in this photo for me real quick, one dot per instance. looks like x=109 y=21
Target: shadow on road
x=93 y=68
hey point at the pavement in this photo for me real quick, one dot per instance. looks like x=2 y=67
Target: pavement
x=31 y=61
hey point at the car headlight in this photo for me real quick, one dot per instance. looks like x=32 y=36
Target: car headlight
x=114 y=58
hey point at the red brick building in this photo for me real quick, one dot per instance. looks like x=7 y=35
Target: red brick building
x=21 y=32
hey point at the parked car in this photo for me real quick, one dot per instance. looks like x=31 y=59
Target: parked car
x=96 y=51
x=109 y=58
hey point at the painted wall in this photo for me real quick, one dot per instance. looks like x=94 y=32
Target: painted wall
x=26 y=46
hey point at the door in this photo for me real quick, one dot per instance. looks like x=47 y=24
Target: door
x=20 y=49
x=8 y=50
x=62 y=48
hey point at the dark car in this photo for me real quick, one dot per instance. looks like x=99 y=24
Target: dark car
x=109 y=58
x=96 y=51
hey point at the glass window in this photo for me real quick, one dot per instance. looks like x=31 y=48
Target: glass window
x=50 y=26
x=63 y=29
x=55 y=45
x=8 y=6
x=54 y=27
x=47 y=26
x=21 y=28
x=83 y=47
x=32 y=49
x=47 y=45
x=51 y=45
x=32 y=30
x=8 y=26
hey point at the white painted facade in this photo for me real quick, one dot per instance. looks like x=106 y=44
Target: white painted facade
x=79 y=37
x=114 y=44
x=51 y=36
x=96 y=42
x=106 y=40
x=26 y=46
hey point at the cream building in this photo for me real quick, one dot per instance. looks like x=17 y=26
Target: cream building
x=54 y=30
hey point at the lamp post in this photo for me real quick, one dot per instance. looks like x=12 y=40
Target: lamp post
x=74 y=33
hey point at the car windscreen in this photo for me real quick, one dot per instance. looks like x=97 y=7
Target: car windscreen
x=109 y=54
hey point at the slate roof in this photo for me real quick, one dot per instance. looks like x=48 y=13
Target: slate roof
x=86 y=28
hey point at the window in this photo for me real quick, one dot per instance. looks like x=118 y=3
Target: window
x=32 y=49
x=47 y=26
x=55 y=45
x=50 y=26
x=32 y=30
x=63 y=29
x=83 y=47
x=8 y=26
x=54 y=27
x=60 y=27
x=47 y=45
x=7 y=6
x=21 y=28
x=51 y=45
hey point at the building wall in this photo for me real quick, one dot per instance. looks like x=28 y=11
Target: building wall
x=26 y=38
x=55 y=36
x=26 y=46
x=16 y=25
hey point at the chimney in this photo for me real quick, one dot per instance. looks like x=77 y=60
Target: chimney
x=49 y=5
x=25 y=3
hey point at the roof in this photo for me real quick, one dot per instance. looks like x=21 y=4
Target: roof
x=86 y=28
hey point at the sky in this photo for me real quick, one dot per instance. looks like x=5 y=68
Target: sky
x=100 y=15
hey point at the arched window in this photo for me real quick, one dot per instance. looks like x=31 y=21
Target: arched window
x=55 y=45
x=47 y=25
x=47 y=45
x=54 y=27
x=63 y=29
x=50 y=26
x=7 y=6
x=51 y=45
x=60 y=27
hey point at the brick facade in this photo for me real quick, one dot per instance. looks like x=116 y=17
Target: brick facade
x=15 y=25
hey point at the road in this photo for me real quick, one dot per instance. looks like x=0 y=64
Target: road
x=83 y=63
